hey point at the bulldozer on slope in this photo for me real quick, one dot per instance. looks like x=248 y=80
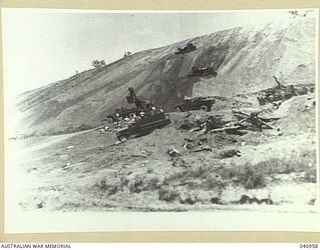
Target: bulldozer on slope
x=203 y=71
x=187 y=49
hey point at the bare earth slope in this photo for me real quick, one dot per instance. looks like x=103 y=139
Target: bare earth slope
x=245 y=58
x=273 y=170
x=88 y=171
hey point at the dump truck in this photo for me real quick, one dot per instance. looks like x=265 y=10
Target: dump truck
x=144 y=126
x=187 y=49
x=203 y=71
x=196 y=103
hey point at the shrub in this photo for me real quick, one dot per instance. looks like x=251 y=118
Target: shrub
x=215 y=181
x=251 y=179
x=311 y=175
x=167 y=194
x=97 y=63
x=127 y=53
x=142 y=183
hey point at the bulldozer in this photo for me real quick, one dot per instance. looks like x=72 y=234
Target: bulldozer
x=144 y=126
x=187 y=49
x=203 y=71
x=196 y=103
x=280 y=92
x=143 y=118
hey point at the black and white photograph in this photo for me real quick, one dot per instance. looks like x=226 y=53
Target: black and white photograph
x=140 y=113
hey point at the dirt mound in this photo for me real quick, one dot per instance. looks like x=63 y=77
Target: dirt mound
x=245 y=59
x=181 y=166
x=297 y=114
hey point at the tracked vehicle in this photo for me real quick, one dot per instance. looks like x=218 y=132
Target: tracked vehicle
x=282 y=92
x=203 y=71
x=122 y=112
x=144 y=126
x=187 y=49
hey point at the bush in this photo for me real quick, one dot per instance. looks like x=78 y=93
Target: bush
x=214 y=181
x=250 y=179
x=142 y=183
x=167 y=194
x=311 y=175
x=127 y=53
x=98 y=64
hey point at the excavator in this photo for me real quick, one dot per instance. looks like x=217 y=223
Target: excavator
x=140 y=124
x=132 y=98
x=153 y=119
x=122 y=112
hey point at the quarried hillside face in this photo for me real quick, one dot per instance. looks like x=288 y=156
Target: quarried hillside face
x=245 y=58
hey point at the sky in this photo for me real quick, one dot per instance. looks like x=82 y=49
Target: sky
x=44 y=46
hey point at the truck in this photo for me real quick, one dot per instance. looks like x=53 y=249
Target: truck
x=196 y=103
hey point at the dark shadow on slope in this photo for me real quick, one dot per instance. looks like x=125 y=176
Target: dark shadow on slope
x=214 y=55
x=168 y=84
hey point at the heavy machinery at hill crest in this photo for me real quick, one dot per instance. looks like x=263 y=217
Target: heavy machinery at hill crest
x=187 y=49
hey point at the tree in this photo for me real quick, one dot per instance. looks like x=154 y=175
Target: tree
x=95 y=63
x=98 y=64
x=127 y=53
x=294 y=13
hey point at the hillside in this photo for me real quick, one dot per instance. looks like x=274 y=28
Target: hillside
x=245 y=59
x=183 y=166
x=89 y=171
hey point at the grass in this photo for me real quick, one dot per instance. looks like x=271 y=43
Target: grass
x=215 y=178
x=254 y=176
x=251 y=179
x=168 y=194
x=250 y=176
